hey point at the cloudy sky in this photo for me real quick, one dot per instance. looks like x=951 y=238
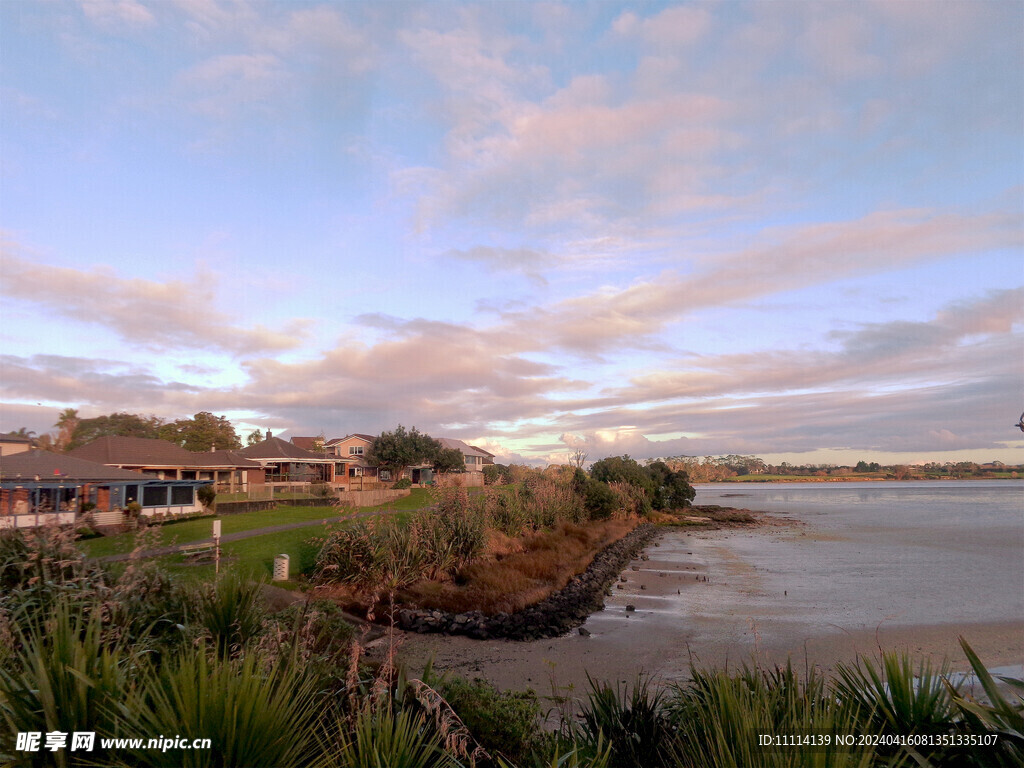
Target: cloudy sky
x=790 y=229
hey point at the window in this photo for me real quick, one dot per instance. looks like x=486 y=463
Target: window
x=131 y=493
x=385 y=474
x=182 y=495
x=355 y=450
x=154 y=496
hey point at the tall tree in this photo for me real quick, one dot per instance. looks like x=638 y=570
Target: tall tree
x=202 y=432
x=114 y=425
x=399 y=449
x=66 y=423
x=256 y=436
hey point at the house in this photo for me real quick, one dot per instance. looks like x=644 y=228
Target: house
x=473 y=457
x=227 y=470
x=287 y=464
x=11 y=443
x=39 y=487
x=352 y=449
x=488 y=456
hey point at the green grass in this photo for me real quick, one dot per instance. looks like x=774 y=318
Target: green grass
x=254 y=555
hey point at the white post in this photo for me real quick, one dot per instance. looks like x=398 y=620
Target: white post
x=216 y=546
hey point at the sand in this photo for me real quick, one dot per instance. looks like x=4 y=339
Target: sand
x=700 y=598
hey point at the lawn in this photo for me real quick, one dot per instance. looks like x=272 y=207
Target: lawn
x=201 y=529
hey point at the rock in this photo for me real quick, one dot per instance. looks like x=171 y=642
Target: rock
x=643 y=586
x=630 y=608
x=585 y=632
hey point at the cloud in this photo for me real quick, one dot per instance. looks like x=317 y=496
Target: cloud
x=528 y=262
x=117 y=14
x=173 y=314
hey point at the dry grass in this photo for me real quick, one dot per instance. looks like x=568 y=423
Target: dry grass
x=506 y=580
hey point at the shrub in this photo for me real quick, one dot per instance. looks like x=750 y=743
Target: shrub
x=231 y=612
x=206 y=495
x=401 y=485
x=599 y=500
x=321 y=490
x=632 y=722
x=506 y=723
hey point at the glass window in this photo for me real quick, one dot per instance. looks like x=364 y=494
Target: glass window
x=182 y=495
x=355 y=450
x=154 y=496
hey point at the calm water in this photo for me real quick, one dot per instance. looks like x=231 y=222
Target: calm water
x=905 y=553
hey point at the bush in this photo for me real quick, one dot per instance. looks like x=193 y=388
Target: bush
x=401 y=485
x=206 y=495
x=599 y=500
x=506 y=723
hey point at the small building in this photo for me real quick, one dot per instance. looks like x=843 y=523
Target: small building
x=474 y=458
x=287 y=464
x=228 y=471
x=11 y=443
x=40 y=487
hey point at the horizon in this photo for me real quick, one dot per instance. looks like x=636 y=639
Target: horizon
x=781 y=230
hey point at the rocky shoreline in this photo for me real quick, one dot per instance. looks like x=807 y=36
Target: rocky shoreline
x=559 y=613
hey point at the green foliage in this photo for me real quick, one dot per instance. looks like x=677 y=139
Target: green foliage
x=384 y=736
x=632 y=722
x=207 y=495
x=718 y=716
x=663 y=487
x=506 y=723
x=449 y=460
x=401 y=485
x=599 y=499
x=114 y=425
x=1000 y=715
x=231 y=611
x=496 y=474
x=201 y=433
x=71 y=679
x=400 y=448
x=255 y=437
x=253 y=713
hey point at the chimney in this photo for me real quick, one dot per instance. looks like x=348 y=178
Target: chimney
x=269 y=435
x=213 y=447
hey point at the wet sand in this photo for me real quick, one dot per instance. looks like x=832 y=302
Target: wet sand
x=720 y=598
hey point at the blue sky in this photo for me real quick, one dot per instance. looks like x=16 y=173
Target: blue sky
x=788 y=229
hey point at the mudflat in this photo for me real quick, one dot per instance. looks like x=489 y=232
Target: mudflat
x=716 y=598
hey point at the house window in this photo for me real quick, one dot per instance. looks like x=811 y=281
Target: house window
x=355 y=472
x=182 y=495
x=385 y=474
x=154 y=496
x=355 y=450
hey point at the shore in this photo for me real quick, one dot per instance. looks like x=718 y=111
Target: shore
x=700 y=597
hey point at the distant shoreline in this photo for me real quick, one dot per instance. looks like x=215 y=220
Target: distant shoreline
x=844 y=479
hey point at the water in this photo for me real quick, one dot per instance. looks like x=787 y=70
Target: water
x=841 y=563
x=904 y=553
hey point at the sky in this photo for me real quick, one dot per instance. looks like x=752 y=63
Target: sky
x=787 y=229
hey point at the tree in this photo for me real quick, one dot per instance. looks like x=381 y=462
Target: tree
x=399 y=449
x=114 y=425
x=255 y=437
x=66 y=424
x=201 y=433
x=449 y=460
x=577 y=458
x=672 y=489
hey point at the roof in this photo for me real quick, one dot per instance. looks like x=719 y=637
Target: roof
x=61 y=468
x=361 y=436
x=485 y=453
x=149 y=452
x=274 y=448
x=464 y=448
x=10 y=437
x=307 y=443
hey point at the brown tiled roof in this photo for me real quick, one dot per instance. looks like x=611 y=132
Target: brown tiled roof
x=147 y=452
x=10 y=437
x=276 y=448
x=61 y=468
x=305 y=443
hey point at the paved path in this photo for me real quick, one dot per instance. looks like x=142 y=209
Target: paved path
x=170 y=550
